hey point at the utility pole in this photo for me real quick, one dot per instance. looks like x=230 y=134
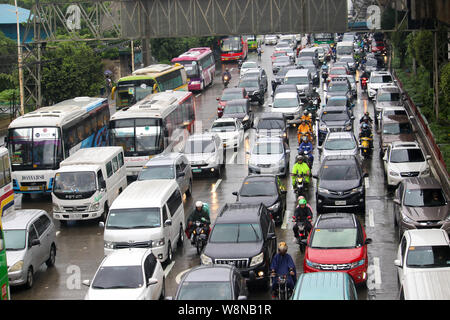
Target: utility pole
x=19 y=56
x=436 y=76
x=132 y=56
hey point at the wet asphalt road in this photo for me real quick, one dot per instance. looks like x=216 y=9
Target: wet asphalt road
x=80 y=244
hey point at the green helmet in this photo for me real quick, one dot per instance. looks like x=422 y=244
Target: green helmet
x=302 y=201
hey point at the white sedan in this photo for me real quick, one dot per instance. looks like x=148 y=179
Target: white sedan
x=230 y=130
x=128 y=274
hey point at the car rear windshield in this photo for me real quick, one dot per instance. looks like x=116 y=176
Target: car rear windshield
x=199 y=146
x=118 y=277
x=248 y=83
x=223 y=126
x=268 y=148
x=340 y=144
x=249 y=64
x=407 y=155
x=227 y=96
x=335 y=238
x=388 y=96
x=424 y=198
x=296 y=80
x=381 y=79
x=338 y=71
x=335 y=116
x=156 y=172
x=236 y=232
x=397 y=128
x=285 y=102
x=258 y=189
x=230 y=109
x=428 y=257
x=339 y=172
x=338 y=87
x=271 y=124
x=282 y=59
x=205 y=290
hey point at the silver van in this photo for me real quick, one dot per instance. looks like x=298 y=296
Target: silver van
x=302 y=78
x=30 y=241
x=147 y=214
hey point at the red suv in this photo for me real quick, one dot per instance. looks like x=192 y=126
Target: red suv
x=378 y=47
x=338 y=242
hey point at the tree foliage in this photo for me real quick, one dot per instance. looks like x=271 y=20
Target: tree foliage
x=165 y=49
x=75 y=70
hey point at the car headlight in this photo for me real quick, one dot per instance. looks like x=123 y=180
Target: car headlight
x=245 y=118
x=448 y=218
x=281 y=162
x=393 y=173
x=95 y=206
x=17 y=266
x=357 y=263
x=205 y=259
x=358 y=190
x=257 y=259
x=407 y=219
x=322 y=190
x=108 y=245
x=274 y=207
x=158 y=243
x=56 y=208
x=312 y=264
x=426 y=171
x=255 y=93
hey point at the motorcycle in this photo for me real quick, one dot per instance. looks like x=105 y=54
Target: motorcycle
x=282 y=292
x=200 y=235
x=308 y=155
x=302 y=234
x=308 y=134
x=366 y=150
x=364 y=84
x=226 y=80
x=300 y=185
x=324 y=72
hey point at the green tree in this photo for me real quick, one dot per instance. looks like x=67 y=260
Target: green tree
x=74 y=70
x=8 y=62
x=423 y=48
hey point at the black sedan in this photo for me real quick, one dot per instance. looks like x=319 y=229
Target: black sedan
x=239 y=109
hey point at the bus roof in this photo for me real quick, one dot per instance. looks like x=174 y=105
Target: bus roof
x=193 y=54
x=58 y=114
x=151 y=71
x=96 y=155
x=156 y=105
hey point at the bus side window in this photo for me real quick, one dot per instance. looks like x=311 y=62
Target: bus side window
x=7 y=169
x=109 y=170
x=80 y=133
x=2 y=175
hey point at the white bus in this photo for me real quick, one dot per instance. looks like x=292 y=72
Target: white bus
x=155 y=123
x=39 y=140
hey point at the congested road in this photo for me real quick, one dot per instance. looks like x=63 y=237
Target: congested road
x=80 y=244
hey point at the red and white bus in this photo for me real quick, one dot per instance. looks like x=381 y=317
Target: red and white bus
x=200 y=67
x=233 y=48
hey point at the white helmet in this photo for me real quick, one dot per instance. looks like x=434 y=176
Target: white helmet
x=199 y=204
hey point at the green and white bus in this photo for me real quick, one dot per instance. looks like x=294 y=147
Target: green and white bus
x=4 y=286
x=252 y=42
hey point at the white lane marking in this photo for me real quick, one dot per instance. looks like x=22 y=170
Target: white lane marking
x=376 y=264
x=232 y=158
x=198 y=95
x=169 y=268
x=57 y=233
x=371 y=218
x=287 y=214
x=367 y=183
x=178 y=277
x=216 y=185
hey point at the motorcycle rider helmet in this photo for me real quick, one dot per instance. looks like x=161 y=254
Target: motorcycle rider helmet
x=199 y=204
x=364 y=127
x=282 y=247
x=302 y=201
x=304 y=139
x=299 y=158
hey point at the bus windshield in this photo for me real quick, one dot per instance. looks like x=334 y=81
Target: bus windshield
x=231 y=45
x=137 y=137
x=191 y=68
x=131 y=91
x=35 y=148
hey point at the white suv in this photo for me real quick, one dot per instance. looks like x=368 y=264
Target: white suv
x=230 y=130
x=376 y=80
x=405 y=160
x=205 y=153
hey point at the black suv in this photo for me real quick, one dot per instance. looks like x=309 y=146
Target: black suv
x=340 y=185
x=339 y=86
x=272 y=124
x=266 y=189
x=255 y=88
x=244 y=236
x=334 y=118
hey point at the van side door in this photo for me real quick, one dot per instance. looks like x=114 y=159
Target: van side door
x=180 y=176
x=33 y=252
x=175 y=205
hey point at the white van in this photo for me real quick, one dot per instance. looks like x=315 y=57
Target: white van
x=87 y=183
x=148 y=213
x=426 y=285
x=344 y=48
x=302 y=78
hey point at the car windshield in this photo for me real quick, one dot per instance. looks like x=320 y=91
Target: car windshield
x=428 y=257
x=339 y=172
x=388 y=96
x=236 y=232
x=334 y=238
x=199 y=146
x=205 y=290
x=296 y=80
x=371 y=62
x=248 y=83
x=424 y=198
x=230 y=109
x=335 y=116
x=136 y=218
x=338 y=71
x=14 y=239
x=118 y=277
x=285 y=102
x=282 y=59
x=271 y=124
x=407 y=155
x=227 y=96
x=268 y=148
x=258 y=189
x=249 y=64
x=397 y=128
x=156 y=172
x=223 y=126
x=340 y=144
x=336 y=102
x=75 y=182
x=381 y=79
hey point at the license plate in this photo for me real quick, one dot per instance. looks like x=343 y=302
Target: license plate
x=340 y=203
x=196 y=170
x=34 y=188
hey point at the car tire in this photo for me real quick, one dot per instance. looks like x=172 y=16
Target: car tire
x=105 y=213
x=163 y=290
x=169 y=253
x=51 y=260
x=30 y=278
x=219 y=171
x=189 y=190
x=261 y=101
x=181 y=237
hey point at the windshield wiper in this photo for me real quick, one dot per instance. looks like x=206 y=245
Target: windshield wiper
x=119 y=287
x=140 y=227
x=254 y=230
x=116 y=227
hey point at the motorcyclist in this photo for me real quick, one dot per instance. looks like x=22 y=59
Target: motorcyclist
x=366 y=118
x=283 y=264
x=200 y=213
x=308 y=147
x=365 y=75
x=226 y=73
x=304 y=128
x=307 y=117
x=366 y=132
x=304 y=214
x=259 y=51
x=300 y=168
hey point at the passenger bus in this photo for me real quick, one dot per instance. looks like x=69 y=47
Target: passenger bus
x=321 y=38
x=200 y=67
x=39 y=140
x=7 y=205
x=159 y=122
x=233 y=48
x=252 y=42
x=152 y=79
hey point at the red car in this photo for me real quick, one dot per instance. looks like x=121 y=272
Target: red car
x=229 y=94
x=338 y=242
x=336 y=72
x=378 y=47
x=278 y=53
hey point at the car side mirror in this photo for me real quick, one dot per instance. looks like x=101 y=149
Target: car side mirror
x=428 y=157
x=168 y=298
x=288 y=151
x=234 y=193
x=352 y=117
x=271 y=236
x=218 y=99
x=167 y=223
x=152 y=281
x=101 y=224
x=398 y=263
x=397 y=201
x=181 y=174
x=315 y=176
x=283 y=191
x=304 y=241
x=368 y=241
x=366 y=175
x=87 y=283
x=35 y=242
x=385 y=157
x=242 y=298
x=270 y=105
